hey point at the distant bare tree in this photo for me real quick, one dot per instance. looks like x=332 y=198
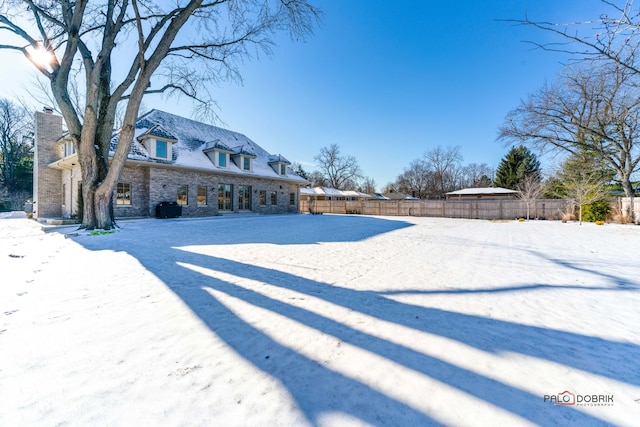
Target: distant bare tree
x=367 y=185
x=391 y=187
x=16 y=143
x=530 y=190
x=445 y=163
x=340 y=172
x=417 y=179
x=317 y=179
x=476 y=175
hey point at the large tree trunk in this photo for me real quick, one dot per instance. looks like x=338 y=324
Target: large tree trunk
x=90 y=170
x=98 y=191
x=104 y=209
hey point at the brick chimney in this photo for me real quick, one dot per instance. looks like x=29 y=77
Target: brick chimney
x=47 y=182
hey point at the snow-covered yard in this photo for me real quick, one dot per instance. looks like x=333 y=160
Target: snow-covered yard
x=320 y=320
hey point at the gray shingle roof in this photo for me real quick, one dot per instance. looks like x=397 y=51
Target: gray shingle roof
x=194 y=138
x=241 y=149
x=156 y=130
x=216 y=145
x=277 y=158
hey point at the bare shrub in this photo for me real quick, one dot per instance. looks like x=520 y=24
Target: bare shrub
x=567 y=216
x=620 y=216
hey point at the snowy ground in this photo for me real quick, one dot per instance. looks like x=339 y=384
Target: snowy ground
x=319 y=320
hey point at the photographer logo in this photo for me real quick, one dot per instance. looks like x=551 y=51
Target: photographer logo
x=567 y=398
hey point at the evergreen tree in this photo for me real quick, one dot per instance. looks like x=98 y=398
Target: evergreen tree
x=517 y=164
x=299 y=170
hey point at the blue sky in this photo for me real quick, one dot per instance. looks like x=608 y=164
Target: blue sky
x=386 y=80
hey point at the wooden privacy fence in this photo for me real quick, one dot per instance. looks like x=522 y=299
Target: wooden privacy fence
x=626 y=205
x=458 y=208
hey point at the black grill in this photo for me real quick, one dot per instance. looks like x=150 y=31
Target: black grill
x=168 y=210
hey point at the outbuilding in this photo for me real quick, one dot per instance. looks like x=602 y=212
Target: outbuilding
x=483 y=193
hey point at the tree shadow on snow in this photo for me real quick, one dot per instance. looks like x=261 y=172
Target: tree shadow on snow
x=613 y=282
x=271 y=229
x=316 y=388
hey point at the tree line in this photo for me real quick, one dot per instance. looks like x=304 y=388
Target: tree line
x=438 y=171
x=589 y=117
x=16 y=155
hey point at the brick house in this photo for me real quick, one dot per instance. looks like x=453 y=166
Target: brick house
x=207 y=170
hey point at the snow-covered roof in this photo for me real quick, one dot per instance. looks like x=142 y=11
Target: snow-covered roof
x=193 y=139
x=241 y=149
x=157 y=130
x=353 y=193
x=481 y=191
x=332 y=192
x=278 y=158
x=397 y=196
x=216 y=145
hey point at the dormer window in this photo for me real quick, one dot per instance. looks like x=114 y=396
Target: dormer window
x=218 y=153
x=243 y=158
x=244 y=161
x=279 y=164
x=158 y=149
x=158 y=142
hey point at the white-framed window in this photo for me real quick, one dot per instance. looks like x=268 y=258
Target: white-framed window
x=161 y=149
x=274 y=198
x=246 y=163
x=202 y=196
x=222 y=159
x=158 y=149
x=263 y=197
x=292 y=199
x=183 y=195
x=68 y=149
x=123 y=194
x=283 y=169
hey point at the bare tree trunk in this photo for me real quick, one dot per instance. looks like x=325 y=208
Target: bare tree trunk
x=580 y=214
x=89 y=169
x=104 y=209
